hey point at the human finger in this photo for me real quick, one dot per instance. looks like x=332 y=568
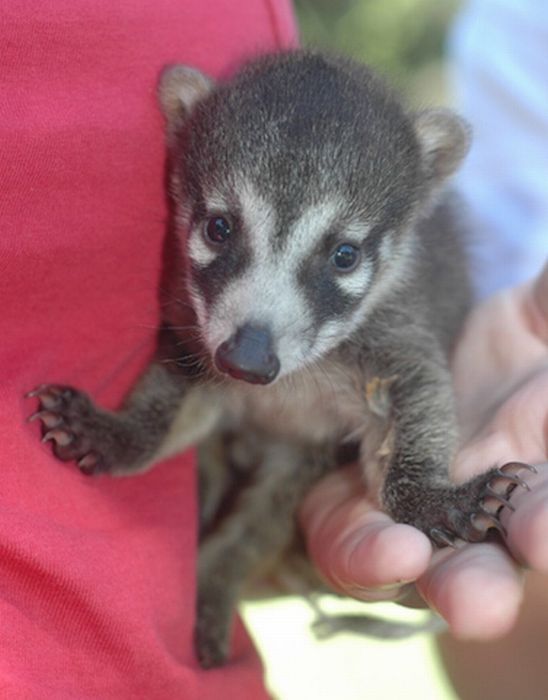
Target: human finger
x=359 y=550
x=527 y=525
x=476 y=589
x=540 y=304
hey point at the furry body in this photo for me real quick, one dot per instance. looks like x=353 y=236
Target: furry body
x=322 y=257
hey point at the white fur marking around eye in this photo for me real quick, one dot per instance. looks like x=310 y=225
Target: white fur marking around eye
x=259 y=218
x=328 y=336
x=199 y=251
x=216 y=203
x=356 y=232
x=386 y=247
x=310 y=228
x=356 y=282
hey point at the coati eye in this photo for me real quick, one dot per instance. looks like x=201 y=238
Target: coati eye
x=345 y=257
x=217 y=229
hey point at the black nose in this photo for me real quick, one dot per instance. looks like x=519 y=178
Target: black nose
x=248 y=355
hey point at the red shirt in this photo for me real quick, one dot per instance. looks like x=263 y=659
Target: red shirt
x=97 y=575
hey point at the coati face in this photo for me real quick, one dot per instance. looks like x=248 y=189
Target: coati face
x=297 y=185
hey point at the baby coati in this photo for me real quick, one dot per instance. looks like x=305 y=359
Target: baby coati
x=326 y=276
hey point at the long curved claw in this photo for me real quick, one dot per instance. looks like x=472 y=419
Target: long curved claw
x=48 y=400
x=49 y=419
x=520 y=465
x=492 y=518
x=472 y=520
x=512 y=478
x=491 y=493
x=61 y=437
x=37 y=391
x=89 y=464
x=442 y=537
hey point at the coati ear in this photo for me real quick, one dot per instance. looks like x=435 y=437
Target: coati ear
x=179 y=89
x=445 y=139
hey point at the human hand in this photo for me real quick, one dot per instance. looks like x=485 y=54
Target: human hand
x=501 y=383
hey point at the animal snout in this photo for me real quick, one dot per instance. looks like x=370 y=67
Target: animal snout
x=249 y=355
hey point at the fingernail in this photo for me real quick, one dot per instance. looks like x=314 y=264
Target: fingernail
x=387 y=591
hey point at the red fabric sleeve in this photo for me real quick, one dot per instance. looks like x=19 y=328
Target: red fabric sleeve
x=97 y=575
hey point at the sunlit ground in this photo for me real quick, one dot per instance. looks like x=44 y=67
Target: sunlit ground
x=346 y=666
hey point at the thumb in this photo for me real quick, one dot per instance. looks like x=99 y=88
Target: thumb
x=359 y=550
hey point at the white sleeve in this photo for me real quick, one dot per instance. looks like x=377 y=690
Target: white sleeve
x=499 y=51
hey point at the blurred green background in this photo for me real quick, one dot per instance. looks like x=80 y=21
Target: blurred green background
x=404 y=40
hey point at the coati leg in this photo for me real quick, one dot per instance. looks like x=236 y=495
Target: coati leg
x=163 y=413
x=416 y=488
x=253 y=536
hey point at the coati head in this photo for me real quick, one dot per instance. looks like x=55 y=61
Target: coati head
x=297 y=184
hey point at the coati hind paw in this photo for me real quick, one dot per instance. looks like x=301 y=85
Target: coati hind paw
x=489 y=494
x=210 y=642
x=70 y=422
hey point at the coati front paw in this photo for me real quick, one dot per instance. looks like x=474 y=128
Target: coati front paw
x=499 y=485
x=478 y=504
x=73 y=425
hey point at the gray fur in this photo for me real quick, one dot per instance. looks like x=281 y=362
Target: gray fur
x=300 y=152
